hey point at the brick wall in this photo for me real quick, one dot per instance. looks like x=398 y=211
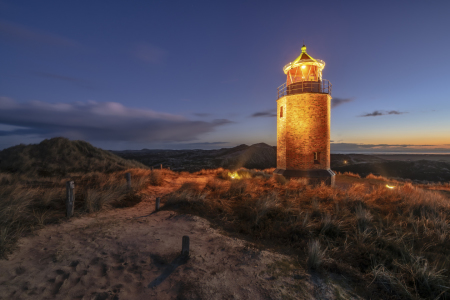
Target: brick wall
x=281 y=132
x=303 y=130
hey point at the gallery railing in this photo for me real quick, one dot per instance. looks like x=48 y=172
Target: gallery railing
x=321 y=87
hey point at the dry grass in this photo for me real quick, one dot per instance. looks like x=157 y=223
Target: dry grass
x=394 y=241
x=315 y=255
x=371 y=176
x=352 y=174
x=29 y=203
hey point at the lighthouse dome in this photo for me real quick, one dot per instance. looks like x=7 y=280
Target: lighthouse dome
x=304 y=59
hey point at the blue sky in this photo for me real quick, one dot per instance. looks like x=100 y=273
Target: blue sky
x=192 y=74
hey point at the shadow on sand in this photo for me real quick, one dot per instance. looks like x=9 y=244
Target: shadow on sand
x=180 y=260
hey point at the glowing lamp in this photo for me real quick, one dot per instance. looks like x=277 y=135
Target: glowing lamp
x=234 y=175
x=297 y=72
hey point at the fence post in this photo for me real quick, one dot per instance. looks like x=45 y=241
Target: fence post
x=70 y=186
x=185 y=246
x=151 y=168
x=128 y=177
x=161 y=166
x=157 y=203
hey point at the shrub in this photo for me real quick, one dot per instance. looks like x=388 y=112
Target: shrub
x=350 y=174
x=363 y=218
x=237 y=188
x=265 y=206
x=28 y=203
x=371 y=176
x=280 y=179
x=156 y=178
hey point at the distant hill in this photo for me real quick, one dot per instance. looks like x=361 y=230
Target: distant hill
x=257 y=156
x=59 y=156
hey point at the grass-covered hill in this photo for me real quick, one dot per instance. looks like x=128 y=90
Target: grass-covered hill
x=60 y=156
x=258 y=156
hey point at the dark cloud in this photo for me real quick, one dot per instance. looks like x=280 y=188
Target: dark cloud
x=395 y=112
x=20 y=33
x=149 y=53
x=77 y=81
x=383 y=113
x=202 y=115
x=338 y=101
x=266 y=113
x=105 y=121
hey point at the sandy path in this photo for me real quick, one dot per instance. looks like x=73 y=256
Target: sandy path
x=132 y=254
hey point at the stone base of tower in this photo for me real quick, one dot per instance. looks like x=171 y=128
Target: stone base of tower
x=313 y=176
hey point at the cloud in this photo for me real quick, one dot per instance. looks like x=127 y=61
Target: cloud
x=99 y=121
x=77 y=81
x=266 y=113
x=395 y=112
x=20 y=33
x=201 y=115
x=383 y=113
x=338 y=101
x=149 y=53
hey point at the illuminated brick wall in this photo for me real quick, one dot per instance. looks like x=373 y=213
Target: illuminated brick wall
x=303 y=130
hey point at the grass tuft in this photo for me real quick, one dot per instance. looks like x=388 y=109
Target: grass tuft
x=315 y=255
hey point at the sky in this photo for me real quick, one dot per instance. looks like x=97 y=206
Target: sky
x=204 y=74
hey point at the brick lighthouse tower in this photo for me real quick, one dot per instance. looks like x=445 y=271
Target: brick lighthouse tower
x=303 y=122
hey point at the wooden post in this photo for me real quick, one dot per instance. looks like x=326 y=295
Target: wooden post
x=128 y=177
x=151 y=168
x=161 y=166
x=168 y=168
x=185 y=246
x=70 y=185
x=157 y=203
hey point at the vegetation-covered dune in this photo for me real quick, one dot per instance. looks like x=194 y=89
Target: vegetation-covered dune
x=422 y=170
x=365 y=238
x=60 y=156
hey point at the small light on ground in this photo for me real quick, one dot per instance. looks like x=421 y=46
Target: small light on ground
x=389 y=187
x=234 y=175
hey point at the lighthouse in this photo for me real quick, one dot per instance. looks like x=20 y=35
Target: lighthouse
x=303 y=122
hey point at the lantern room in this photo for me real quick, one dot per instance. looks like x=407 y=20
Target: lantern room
x=304 y=68
x=304 y=75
